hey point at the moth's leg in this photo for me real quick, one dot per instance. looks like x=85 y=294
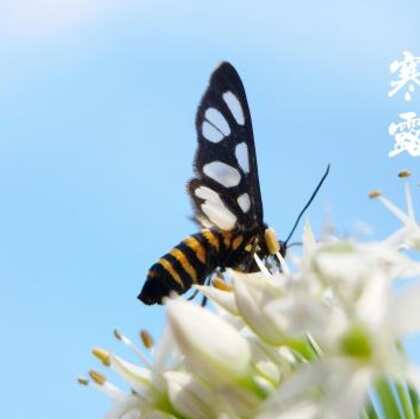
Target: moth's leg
x=204 y=299
x=193 y=295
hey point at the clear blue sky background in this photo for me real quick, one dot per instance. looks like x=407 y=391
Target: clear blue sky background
x=97 y=104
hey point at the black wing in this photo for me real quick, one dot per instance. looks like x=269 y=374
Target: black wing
x=226 y=190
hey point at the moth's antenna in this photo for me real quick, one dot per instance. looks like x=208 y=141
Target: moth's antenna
x=307 y=205
x=295 y=244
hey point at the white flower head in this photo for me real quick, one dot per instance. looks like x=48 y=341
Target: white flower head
x=307 y=343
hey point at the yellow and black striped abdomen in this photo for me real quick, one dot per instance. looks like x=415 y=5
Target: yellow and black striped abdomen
x=190 y=262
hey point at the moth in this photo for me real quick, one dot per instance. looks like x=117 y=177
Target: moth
x=225 y=195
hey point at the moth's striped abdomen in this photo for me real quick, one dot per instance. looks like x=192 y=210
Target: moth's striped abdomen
x=188 y=263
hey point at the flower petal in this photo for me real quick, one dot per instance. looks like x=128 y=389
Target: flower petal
x=189 y=396
x=405 y=310
x=129 y=408
x=252 y=294
x=213 y=348
x=224 y=299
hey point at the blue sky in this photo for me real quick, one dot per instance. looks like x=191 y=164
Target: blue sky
x=97 y=105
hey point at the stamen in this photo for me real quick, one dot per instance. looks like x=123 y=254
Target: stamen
x=102 y=355
x=396 y=211
x=404 y=174
x=221 y=284
x=126 y=341
x=147 y=339
x=105 y=386
x=83 y=381
x=374 y=194
x=97 y=377
x=118 y=335
x=262 y=267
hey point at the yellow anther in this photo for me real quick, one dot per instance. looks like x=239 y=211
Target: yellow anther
x=146 y=338
x=404 y=173
x=374 y=194
x=220 y=284
x=83 y=381
x=97 y=377
x=102 y=355
x=271 y=241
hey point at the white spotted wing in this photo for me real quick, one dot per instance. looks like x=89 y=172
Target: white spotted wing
x=225 y=192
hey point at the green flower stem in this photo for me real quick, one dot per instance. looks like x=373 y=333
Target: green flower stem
x=405 y=401
x=387 y=400
x=370 y=412
x=414 y=398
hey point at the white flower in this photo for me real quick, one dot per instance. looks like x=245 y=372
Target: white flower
x=149 y=395
x=306 y=343
x=373 y=321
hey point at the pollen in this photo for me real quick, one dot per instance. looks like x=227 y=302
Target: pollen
x=374 y=194
x=97 y=377
x=221 y=284
x=118 y=334
x=404 y=174
x=102 y=355
x=83 y=381
x=146 y=338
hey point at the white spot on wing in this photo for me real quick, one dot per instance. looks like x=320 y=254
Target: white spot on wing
x=219 y=215
x=204 y=221
x=214 y=208
x=222 y=173
x=235 y=107
x=218 y=120
x=244 y=202
x=206 y=193
x=210 y=133
x=241 y=153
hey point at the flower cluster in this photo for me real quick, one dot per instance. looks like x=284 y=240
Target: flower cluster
x=322 y=340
